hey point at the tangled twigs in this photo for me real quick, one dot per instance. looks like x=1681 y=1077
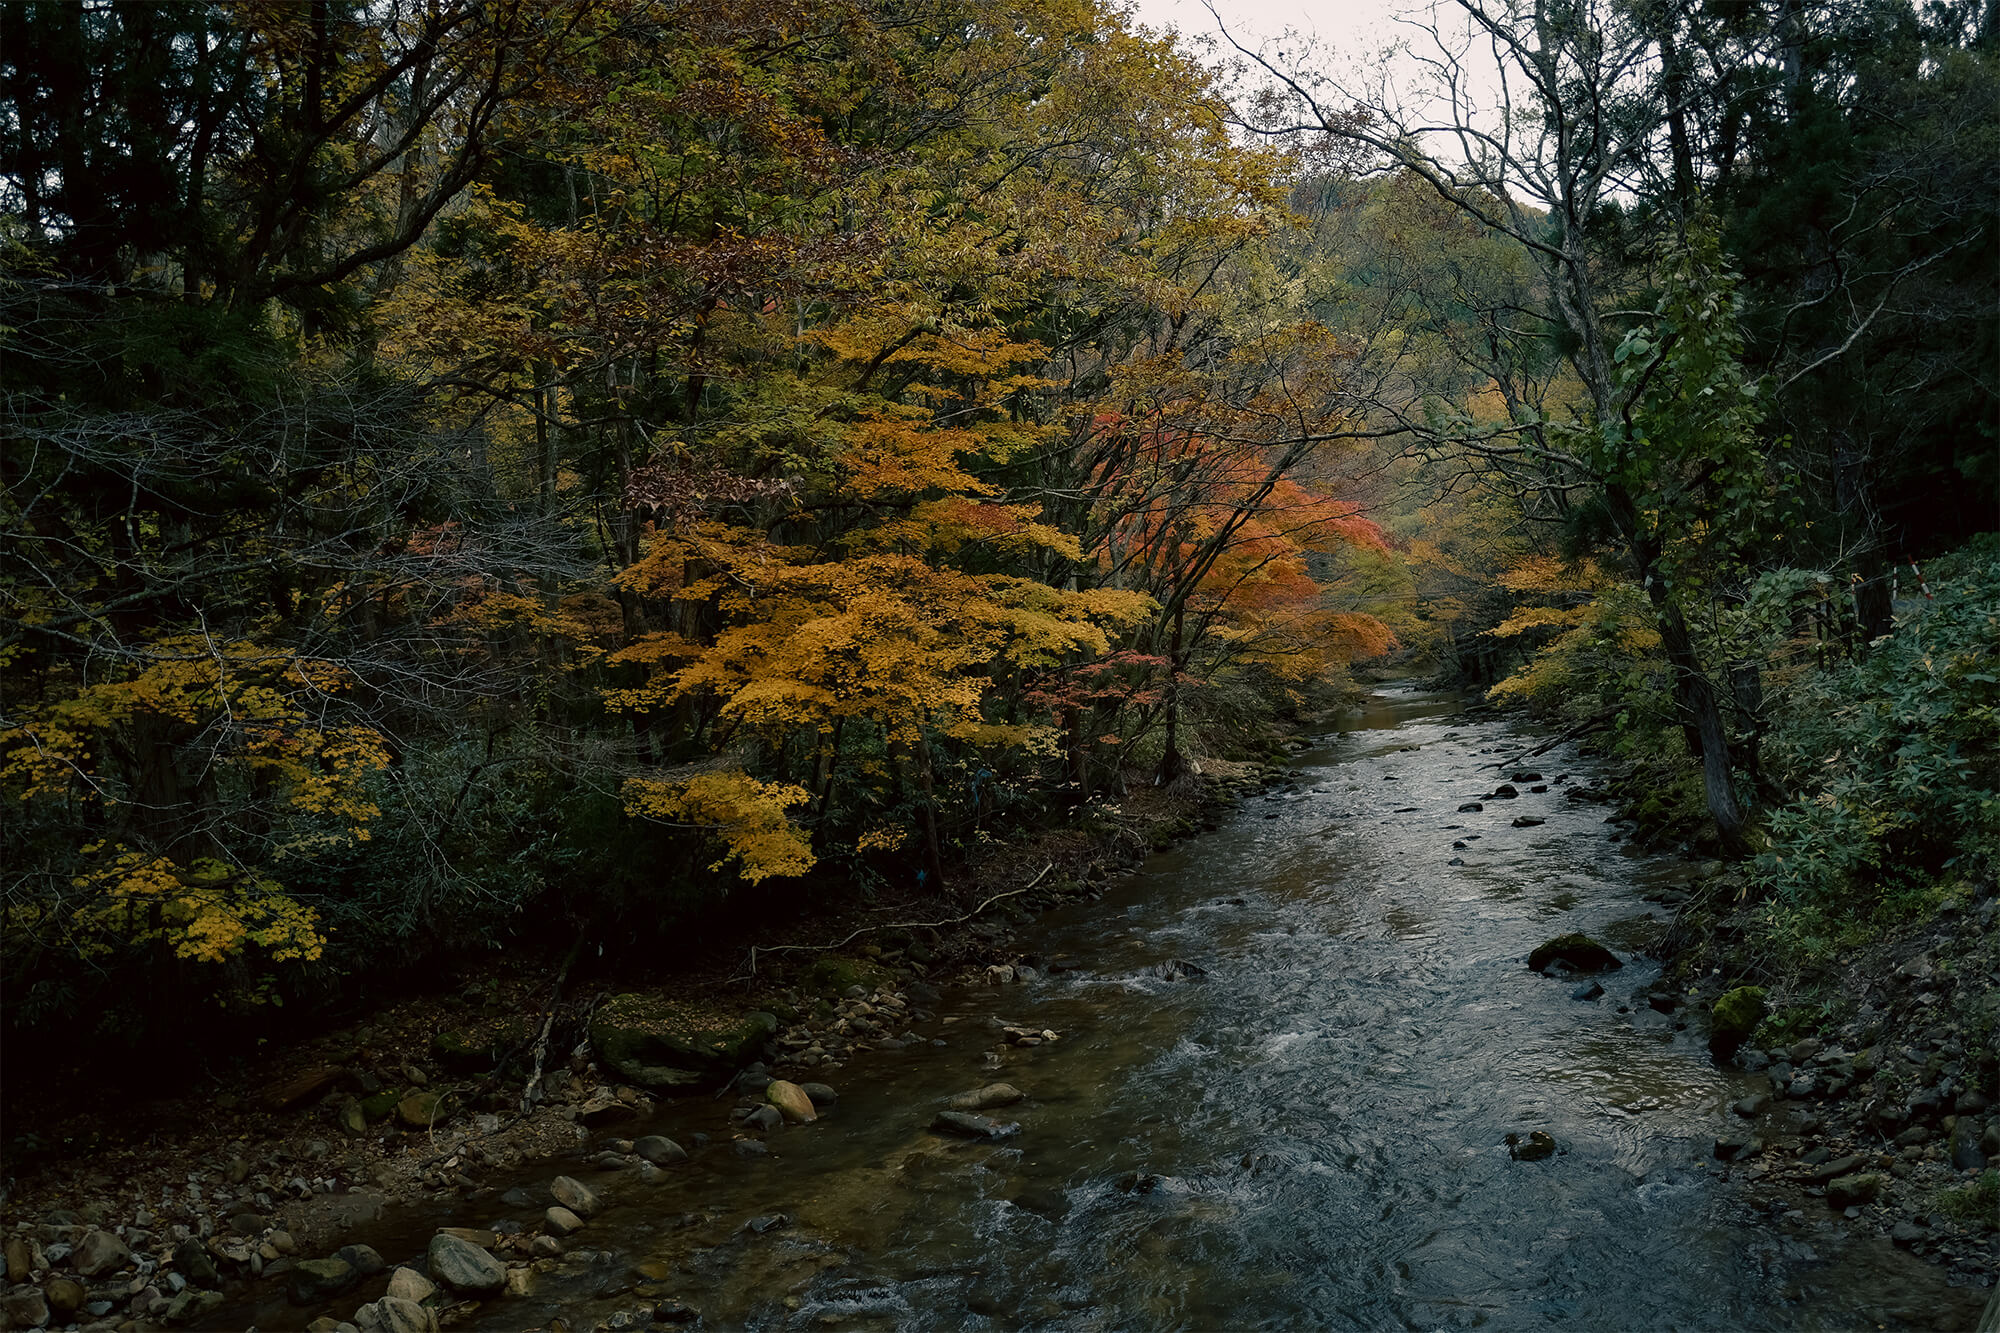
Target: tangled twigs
x=889 y=925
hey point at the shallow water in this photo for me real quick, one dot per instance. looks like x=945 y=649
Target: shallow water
x=1318 y=1127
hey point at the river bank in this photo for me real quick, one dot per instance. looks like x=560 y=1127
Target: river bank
x=1285 y=1062
x=160 y=1213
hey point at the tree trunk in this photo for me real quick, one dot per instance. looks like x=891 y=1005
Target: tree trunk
x=1746 y=685
x=1079 y=754
x=1701 y=716
x=1874 y=608
x=1171 y=762
x=927 y=817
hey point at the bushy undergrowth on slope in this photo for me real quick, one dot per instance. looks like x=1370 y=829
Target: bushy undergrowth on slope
x=1892 y=765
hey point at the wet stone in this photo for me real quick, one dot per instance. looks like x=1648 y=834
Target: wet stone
x=1839 y=1167
x=981 y=1099
x=410 y=1285
x=967 y=1125
x=574 y=1195
x=464 y=1268
x=362 y=1258
x=1854 y=1190
x=659 y=1150
x=1535 y=1147
x=314 y=1280
x=1579 y=953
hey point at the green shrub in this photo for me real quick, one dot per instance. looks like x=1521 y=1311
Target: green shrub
x=1893 y=766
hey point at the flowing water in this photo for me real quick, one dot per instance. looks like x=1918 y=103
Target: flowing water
x=1311 y=1136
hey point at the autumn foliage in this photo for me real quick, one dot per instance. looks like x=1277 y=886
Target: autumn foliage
x=787 y=441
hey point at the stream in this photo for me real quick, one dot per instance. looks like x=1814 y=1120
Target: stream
x=1313 y=1135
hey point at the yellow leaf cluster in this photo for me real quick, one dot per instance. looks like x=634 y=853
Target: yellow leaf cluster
x=746 y=815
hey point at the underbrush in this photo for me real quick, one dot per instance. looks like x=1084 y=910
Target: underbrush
x=1892 y=767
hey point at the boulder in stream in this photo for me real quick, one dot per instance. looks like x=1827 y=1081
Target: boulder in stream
x=1736 y=1015
x=464 y=1268
x=574 y=1195
x=983 y=1099
x=407 y=1284
x=314 y=1280
x=1578 y=953
x=659 y=1150
x=791 y=1101
x=1534 y=1148
x=395 y=1314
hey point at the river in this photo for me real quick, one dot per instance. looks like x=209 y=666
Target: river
x=1313 y=1135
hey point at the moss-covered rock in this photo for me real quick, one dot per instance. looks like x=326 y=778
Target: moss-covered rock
x=1847 y=1191
x=1579 y=953
x=1736 y=1015
x=462 y=1055
x=668 y=1048
x=421 y=1110
x=381 y=1106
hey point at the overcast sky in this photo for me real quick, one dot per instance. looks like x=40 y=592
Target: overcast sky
x=1342 y=24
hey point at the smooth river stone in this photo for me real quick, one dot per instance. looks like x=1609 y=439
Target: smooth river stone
x=464 y=1268
x=791 y=1101
x=574 y=1195
x=981 y=1099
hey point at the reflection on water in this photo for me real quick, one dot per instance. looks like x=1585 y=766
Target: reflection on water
x=1313 y=1136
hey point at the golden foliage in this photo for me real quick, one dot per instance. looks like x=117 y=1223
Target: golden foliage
x=747 y=816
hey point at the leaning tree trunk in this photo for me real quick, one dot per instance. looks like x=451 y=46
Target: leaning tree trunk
x=1701 y=714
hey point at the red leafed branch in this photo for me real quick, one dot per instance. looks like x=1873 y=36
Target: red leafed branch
x=676 y=494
